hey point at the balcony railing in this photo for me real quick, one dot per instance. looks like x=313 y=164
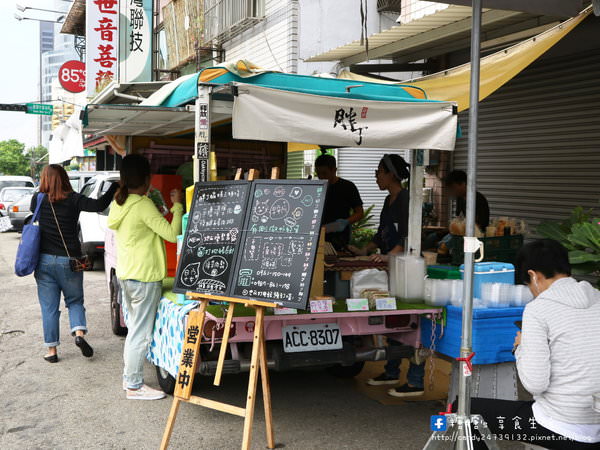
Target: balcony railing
x=224 y=19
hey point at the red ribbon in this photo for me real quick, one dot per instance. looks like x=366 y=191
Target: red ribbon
x=468 y=361
x=448 y=410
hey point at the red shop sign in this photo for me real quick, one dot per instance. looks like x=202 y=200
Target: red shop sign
x=72 y=76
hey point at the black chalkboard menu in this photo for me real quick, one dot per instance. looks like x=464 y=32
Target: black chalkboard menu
x=212 y=237
x=280 y=241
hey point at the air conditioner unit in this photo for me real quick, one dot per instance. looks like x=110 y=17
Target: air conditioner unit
x=389 y=6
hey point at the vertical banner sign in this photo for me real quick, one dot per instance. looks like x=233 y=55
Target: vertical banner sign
x=102 y=44
x=135 y=44
x=202 y=135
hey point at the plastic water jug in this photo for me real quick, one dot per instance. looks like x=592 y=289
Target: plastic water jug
x=407 y=278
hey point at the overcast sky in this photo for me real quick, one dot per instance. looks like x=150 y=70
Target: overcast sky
x=19 y=71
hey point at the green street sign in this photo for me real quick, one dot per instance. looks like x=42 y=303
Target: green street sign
x=40 y=108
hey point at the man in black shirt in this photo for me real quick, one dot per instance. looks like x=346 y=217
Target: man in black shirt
x=456 y=181
x=343 y=205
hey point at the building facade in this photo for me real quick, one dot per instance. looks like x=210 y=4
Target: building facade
x=538 y=133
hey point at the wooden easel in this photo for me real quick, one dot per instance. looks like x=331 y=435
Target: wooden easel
x=258 y=361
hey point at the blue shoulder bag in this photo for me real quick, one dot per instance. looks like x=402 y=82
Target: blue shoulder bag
x=28 y=253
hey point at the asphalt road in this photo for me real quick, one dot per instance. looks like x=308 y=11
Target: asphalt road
x=78 y=403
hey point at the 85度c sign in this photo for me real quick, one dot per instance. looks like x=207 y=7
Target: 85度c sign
x=72 y=76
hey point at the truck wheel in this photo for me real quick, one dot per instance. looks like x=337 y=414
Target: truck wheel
x=115 y=307
x=165 y=380
x=346 y=371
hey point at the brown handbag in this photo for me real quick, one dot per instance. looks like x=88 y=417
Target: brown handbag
x=77 y=264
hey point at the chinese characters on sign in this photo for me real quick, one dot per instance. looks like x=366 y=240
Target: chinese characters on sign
x=212 y=237
x=191 y=343
x=202 y=134
x=135 y=54
x=280 y=242
x=346 y=119
x=102 y=43
x=136 y=20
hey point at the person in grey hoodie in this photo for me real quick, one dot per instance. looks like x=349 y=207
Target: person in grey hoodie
x=558 y=357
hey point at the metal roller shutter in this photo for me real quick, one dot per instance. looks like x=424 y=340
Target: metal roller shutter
x=539 y=141
x=358 y=165
x=295 y=165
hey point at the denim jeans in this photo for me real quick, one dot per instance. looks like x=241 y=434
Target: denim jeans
x=415 y=375
x=53 y=276
x=141 y=300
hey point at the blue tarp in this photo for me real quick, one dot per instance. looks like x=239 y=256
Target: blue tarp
x=331 y=87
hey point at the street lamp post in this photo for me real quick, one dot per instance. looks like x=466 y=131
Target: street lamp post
x=25 y=8
x=59 y=19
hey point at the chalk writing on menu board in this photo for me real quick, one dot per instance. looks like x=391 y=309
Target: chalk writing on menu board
x=280 y=241
x=212 y=237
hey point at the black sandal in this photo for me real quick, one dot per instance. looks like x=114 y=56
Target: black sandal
x=86 y=349
x=51 y=358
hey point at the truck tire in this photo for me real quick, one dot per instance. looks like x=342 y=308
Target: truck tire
x=115 y=307
x=346 y=371
x=165 y=380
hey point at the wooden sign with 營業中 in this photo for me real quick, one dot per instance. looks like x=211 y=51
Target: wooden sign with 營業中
x=279 y=242
x=211 y=241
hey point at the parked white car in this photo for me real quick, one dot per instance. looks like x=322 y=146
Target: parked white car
x=15 y=181
x=92 y=226
x=78 y=179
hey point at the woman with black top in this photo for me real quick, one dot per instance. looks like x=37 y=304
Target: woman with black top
x=390 y=240
x=393 y=222
x=53 y=273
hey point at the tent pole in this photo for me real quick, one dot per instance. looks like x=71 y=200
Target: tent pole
x=464 y=387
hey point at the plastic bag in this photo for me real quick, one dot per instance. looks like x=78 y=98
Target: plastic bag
x=368 y=279
x=156 y=196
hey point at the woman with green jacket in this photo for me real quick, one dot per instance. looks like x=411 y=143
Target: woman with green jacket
x=141 y=265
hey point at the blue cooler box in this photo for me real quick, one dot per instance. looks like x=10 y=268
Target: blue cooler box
x=494 y=333
x=490 y=272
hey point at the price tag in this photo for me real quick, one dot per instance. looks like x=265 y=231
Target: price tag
x=466 y=371
x=385 y=304
x=321 y=306
x=357 y=304
x=284 y=311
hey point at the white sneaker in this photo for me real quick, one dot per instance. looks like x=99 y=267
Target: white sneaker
x=124 y=385
x=145 y=393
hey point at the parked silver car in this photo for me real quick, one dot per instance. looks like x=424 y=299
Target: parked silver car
x=19 y=211
x=9 y=195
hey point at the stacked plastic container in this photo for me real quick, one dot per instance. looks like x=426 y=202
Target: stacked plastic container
x=501 y=295
x=407 y=273
x=490 y=272
x=493 y=287
x=443 y=292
